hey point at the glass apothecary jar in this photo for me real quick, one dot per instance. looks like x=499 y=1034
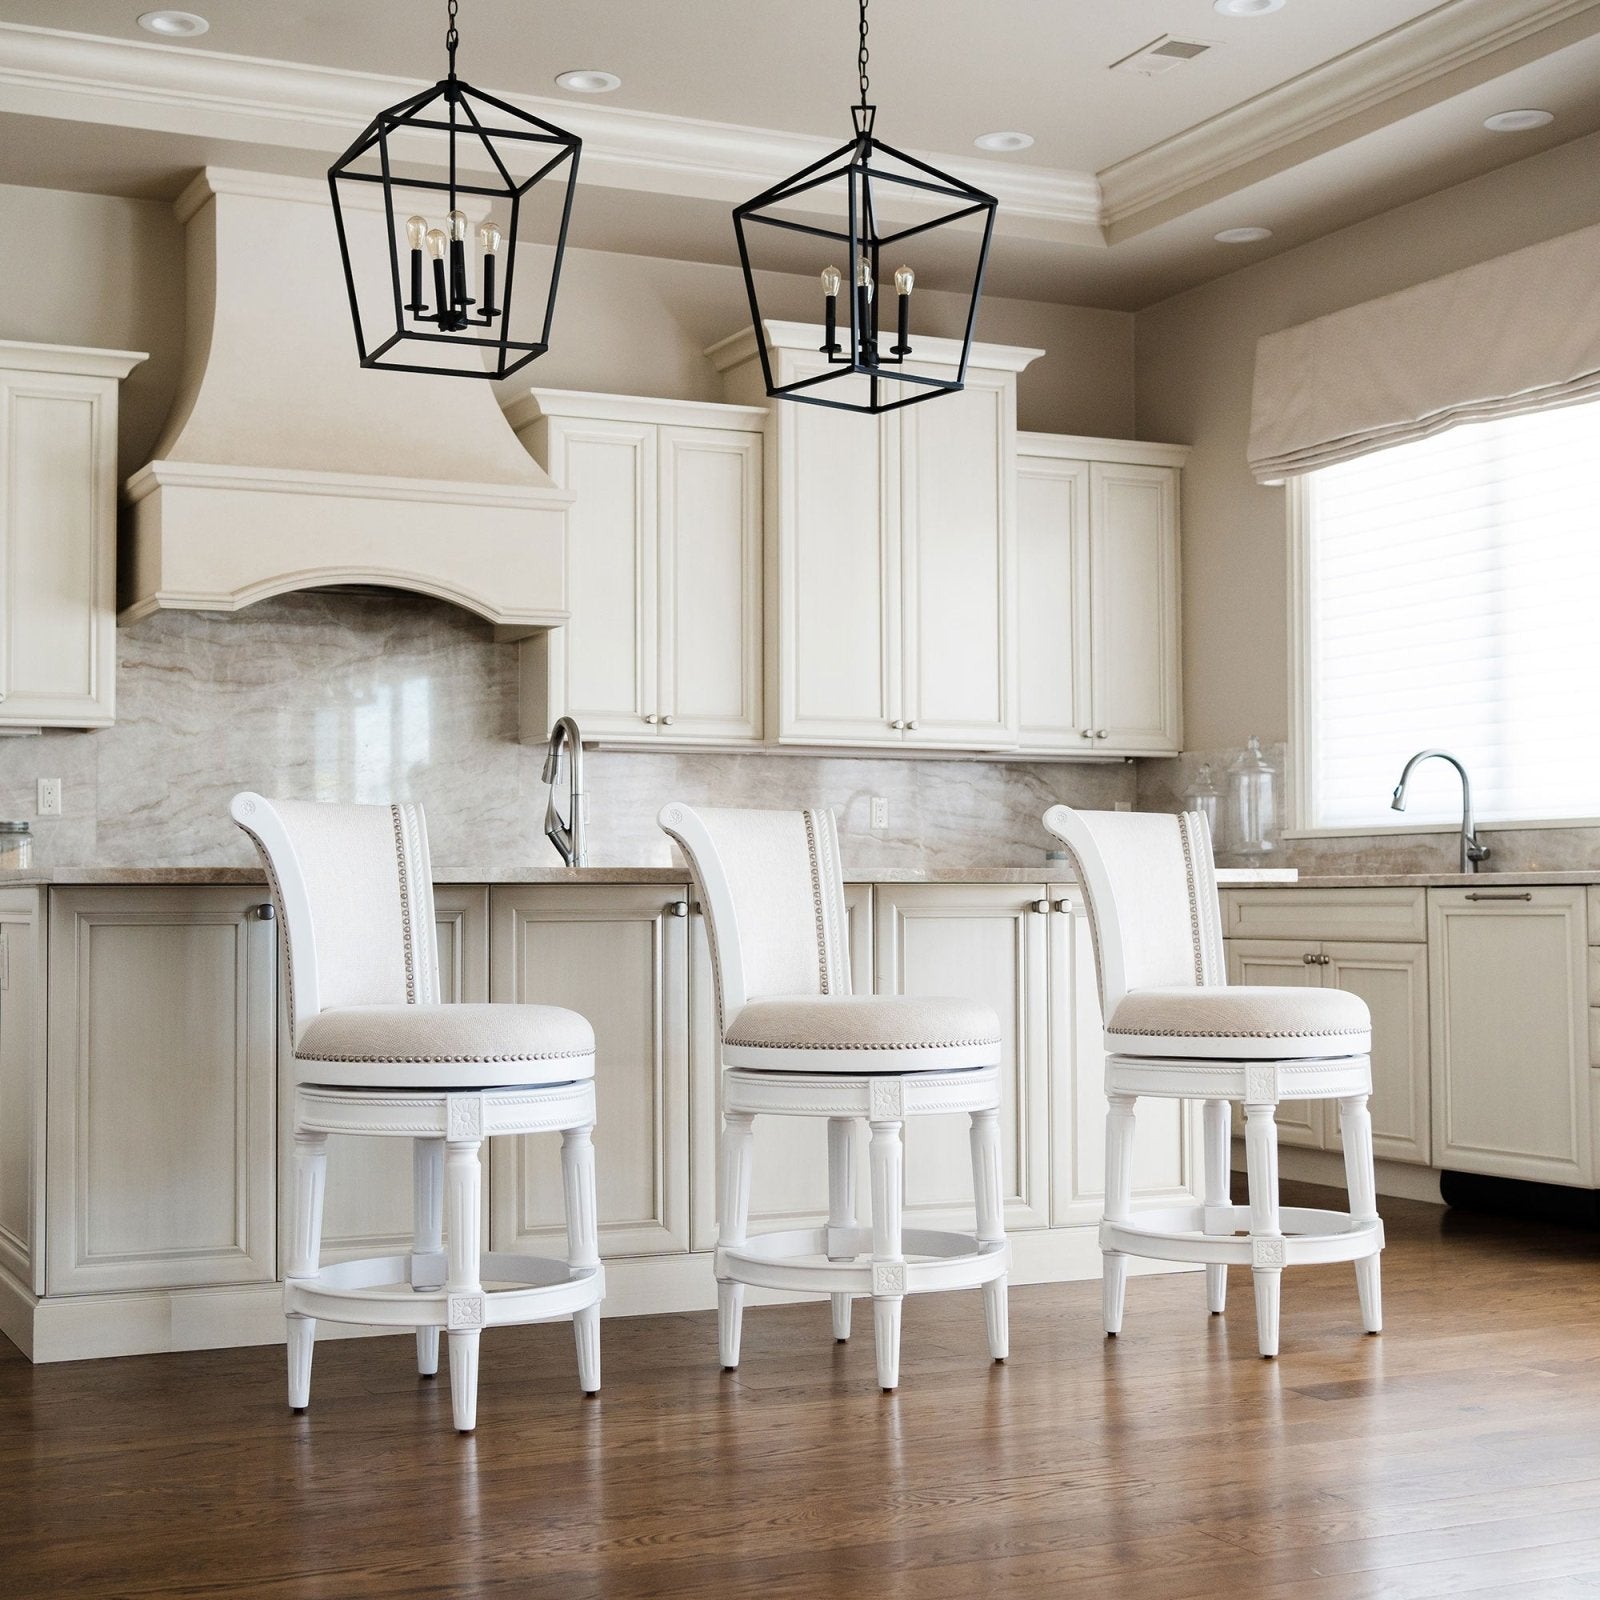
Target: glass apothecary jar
x=1252 y=802
x=16 y=845
x=1205 y=797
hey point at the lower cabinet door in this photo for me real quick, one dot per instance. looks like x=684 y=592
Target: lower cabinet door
x=988 y=943
x=160 y=1074
x=1509 y=1020
x=368 y=1210
x=1282 y=963
x=789 y=1172
x=1164 y=1151
x=618 y=954
x=1393 y=980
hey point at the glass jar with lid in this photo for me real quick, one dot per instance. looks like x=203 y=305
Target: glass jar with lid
x=1252 y=802
x=16 y=845
x=1205 y=797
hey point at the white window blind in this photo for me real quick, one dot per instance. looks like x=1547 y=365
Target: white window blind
x=1453 y=599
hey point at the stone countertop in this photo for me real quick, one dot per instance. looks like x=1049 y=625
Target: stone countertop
x=1435 y=880
x=1044 y=872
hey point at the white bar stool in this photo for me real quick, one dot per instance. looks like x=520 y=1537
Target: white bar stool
x=1176 y=1030
x=796 y=1042
x=375 y=1053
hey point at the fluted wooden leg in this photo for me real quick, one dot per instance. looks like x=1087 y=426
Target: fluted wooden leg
x=738 y=1136
x=427 y=1185
x=1119 y=1203
x=886 y=1156
x=309 y=1175
x=1360 y=1176
x=583 y=1245
x=1217 y=1116
x=1266 y=1232
x=841 y=1208
x=988 y=1192
x=463 y=1174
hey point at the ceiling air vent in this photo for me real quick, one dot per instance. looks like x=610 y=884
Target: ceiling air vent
x=1161 y=55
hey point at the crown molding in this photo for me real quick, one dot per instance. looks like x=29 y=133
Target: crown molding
x=207 y=95
x=1150 y=186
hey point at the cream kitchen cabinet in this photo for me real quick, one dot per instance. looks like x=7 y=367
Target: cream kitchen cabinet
x=663 y=565
x=1510 y=1024
x=161 y=1066
x=368 y=1208
x=58 y=534
x=618 y=954
x=891 y=541
x=23 y=925
x=1098 y=616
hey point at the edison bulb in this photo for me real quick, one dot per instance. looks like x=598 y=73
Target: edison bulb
x=904 y=280
x=436 y=239
x=864 y=275
x=458 y=225
x=489 y=236
x=416 y=231
x=832 y=281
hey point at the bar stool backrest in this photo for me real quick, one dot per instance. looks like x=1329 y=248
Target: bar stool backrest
x=354 y=889
x=773 y=892
x=1150 y=882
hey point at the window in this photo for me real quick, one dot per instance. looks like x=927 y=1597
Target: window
x=1450 y=596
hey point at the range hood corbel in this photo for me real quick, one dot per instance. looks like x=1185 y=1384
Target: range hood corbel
x=286 y=465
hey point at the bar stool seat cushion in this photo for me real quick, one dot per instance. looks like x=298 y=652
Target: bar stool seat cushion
x=1236 y=1023
x=873 y=1033
x=460 y=1046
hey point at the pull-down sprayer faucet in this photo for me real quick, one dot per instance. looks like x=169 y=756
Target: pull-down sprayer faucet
x=1471 y=851
x=568 y=836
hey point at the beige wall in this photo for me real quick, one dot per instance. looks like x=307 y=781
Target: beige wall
x=95 y=270
x=1194 y=359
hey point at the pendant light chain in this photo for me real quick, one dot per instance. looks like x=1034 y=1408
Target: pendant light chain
x=452 y=37
x=861 y=56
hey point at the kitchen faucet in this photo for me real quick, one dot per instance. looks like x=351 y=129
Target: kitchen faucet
x=1471 y=851
x=568 y=836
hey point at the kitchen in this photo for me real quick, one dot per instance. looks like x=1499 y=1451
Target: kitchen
x=1079 y=580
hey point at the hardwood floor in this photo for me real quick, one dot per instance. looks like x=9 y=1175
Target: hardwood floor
x=1458 y=1454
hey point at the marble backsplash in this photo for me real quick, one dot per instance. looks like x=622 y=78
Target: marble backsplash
x=379 y=695
x=1163 y=784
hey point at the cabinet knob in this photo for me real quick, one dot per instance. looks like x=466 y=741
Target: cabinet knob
x=1103 y=734
x=679 y=908
x=650 y=717
x=267 y=912
x=1040 y=908
x=1064 y=907
x=897 y=724
x=911 y=727
x=1088 y=733
x=666 y=722
x=1309 y=958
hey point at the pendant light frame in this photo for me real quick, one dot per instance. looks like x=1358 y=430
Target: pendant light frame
x=492 y=135
x=869 y=355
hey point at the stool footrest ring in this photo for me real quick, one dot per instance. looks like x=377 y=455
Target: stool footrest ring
x=1177 y=1233
x=782 y=1260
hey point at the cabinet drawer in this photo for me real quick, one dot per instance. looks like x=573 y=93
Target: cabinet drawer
x=1382 y=915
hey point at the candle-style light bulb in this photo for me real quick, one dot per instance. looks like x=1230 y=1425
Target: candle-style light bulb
x=864 y=276
x=865 y=329
x=489 y=237
x=458 y=266
x=458 y=225
x=436 y=239
x=416 y=231
x=904 y=281
x=832 y=283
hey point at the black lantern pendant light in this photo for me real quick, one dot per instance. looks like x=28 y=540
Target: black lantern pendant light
x=428 y=302
x=880 y=197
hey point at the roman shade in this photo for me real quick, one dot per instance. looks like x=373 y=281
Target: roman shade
x=1519 y=333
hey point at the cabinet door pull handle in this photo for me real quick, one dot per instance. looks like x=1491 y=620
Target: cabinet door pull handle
x=267 y=912
x=679 y=908
x=1527 y=894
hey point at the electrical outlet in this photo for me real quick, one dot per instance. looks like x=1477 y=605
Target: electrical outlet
x=1124 y=805
x=880 y=811
x=49 y=797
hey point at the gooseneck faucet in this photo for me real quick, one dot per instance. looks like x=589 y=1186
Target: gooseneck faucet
x=567 y=836
x=1471 y=851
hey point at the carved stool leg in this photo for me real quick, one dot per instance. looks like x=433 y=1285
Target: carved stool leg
x=738 y=1135
x=989 y=1197
x=1266 y=1232
x=309 y=1175
x=841 y=1206
x=583 y=1245
x=427 y=1184
x=887 y=1157
x=1216 y=1115
x=1119 y=1203
x=1355 y=1127
x=464 y=1297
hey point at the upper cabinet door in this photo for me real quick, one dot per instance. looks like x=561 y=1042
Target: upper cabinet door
x=58 y=508
x=1133 y=578
x=958 y=567
x=604 y=660
x=838 y=628
x=1053 y=603
x=710 y=579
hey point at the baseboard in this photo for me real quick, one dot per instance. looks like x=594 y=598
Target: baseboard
x=82 y=1327
x=1398 y=1179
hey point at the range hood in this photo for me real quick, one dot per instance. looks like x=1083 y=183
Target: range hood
x=286 y=465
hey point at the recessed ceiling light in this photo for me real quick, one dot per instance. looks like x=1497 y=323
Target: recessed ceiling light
x=588 y=80
x=1247 y=8
x=1518 y=121
x=1009 y=139
x=174 y=24
x=1242 y=235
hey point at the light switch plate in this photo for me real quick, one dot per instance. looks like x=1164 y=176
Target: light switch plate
x=49 y=797
x=880 y=811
